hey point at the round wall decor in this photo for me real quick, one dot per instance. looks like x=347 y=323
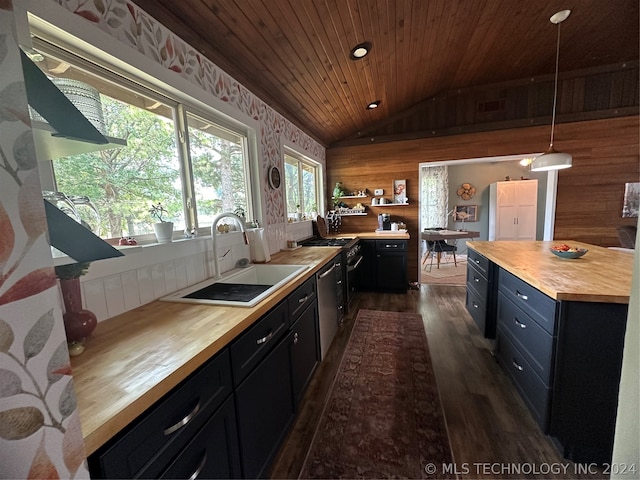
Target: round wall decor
x=274 y=177
x=466 y=191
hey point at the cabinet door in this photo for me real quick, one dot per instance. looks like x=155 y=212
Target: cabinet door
x=367 y=270
x=392 y=271
x=213 y=452
x=506 y=227
x=526 y=222
x=265 y=410
x=304 y=347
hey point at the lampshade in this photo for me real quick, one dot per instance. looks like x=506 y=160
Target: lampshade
x=551 y=160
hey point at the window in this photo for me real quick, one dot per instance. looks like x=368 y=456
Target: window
x=194 y=179
x=302 y=182
x=219 y=168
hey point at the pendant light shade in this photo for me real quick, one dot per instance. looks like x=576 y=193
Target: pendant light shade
x=551 y=159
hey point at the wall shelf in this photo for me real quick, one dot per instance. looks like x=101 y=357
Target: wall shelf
x=352 y=196
x=351 y=214
x=384 y=205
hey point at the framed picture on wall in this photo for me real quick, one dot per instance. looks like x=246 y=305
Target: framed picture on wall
x=399 y=191
x=466 y=213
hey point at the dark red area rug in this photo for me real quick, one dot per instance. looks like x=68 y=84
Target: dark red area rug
x=383 y=417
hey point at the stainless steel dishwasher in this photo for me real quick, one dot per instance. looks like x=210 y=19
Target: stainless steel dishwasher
x=327 y=305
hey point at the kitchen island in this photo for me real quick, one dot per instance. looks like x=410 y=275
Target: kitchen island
x=560 y=326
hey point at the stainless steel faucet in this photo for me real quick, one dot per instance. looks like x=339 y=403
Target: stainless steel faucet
x=214 y=229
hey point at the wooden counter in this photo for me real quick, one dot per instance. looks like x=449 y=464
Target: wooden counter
x=381 y=236
x=132 y=360
x=602 y=275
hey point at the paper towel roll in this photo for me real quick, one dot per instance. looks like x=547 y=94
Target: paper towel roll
x=258 y=245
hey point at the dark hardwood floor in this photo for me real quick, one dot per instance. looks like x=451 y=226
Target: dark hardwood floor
x=491 y=431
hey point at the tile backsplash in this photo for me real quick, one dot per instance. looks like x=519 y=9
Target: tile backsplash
x=144 y=274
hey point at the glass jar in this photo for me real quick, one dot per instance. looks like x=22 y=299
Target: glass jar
x=60 y=200
x=87 y=211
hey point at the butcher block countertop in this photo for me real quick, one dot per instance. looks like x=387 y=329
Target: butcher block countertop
x=386 y=235
x=132 y=360
x=601 y=275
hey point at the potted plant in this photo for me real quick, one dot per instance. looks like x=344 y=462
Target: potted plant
x=162 y=228
x=78 y=322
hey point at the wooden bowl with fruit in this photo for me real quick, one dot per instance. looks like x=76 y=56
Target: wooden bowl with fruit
x=567 y=251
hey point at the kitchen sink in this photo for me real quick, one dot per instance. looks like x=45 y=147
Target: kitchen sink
x=241 y=287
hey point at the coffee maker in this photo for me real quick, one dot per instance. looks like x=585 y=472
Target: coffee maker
x=384 y=221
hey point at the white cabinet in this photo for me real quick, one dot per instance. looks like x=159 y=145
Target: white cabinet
x=513 y=210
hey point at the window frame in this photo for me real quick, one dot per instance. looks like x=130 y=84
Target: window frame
x=303 y=160
x=96 y=62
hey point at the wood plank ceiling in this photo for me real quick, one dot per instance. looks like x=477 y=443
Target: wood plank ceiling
x=294 y=54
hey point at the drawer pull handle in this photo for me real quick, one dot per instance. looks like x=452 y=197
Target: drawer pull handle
x=265 y=339
x=476 y=279
x=303 y=299
x=522 y=295
x=519 y=323
x=203 y=462
x=477 y=261
x=393 y=245
x=515 y=364
x=339 y=282
x=183 y=422
x=475 y=305
x=324 y=274
x=295 y=338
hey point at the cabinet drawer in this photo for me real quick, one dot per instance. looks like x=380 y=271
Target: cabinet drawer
x=477 y=281
x=527 y=335
x=213 y=452
x=301 y=298
x=535 y=303
x=153 y=439
x=255 y=343
x=479 y=261
x=391 y=245
x=531 y=388
x=477 y=309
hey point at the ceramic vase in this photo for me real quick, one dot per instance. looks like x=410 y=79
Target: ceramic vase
x=78 y=322
x=164 y=231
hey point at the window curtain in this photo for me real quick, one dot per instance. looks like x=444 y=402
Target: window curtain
x=434 y=201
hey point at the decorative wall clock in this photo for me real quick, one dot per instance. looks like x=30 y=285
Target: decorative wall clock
x=466 y=191
x=274 y=177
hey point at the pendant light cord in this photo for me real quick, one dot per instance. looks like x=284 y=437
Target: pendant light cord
x=555 y=87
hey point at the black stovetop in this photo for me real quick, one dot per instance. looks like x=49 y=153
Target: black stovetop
x=326 y=242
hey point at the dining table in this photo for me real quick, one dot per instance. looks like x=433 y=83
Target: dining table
x=432 y=237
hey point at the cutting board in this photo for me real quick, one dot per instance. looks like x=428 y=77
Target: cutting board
x=320 y=227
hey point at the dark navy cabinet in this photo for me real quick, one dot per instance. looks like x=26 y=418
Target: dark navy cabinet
x=153 y=443
x=229 y=418
x=480 y=300
x=384 y=266
x=565 y=359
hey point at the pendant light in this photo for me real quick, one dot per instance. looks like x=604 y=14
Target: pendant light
x=551 y=159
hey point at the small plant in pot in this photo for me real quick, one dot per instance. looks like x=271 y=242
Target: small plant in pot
x=78 y=322
x=162 y=228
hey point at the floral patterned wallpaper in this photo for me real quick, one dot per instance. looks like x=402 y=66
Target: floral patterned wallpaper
x=135 y=28
x=40 y=432
x=40 y=435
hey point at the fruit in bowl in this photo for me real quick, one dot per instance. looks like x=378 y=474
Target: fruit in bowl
x=566 y=251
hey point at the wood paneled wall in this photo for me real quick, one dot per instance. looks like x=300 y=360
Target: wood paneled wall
x=589 y=205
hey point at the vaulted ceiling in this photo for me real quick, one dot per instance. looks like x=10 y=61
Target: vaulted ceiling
x=294 y=54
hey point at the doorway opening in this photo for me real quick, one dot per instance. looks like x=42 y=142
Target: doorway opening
x=480 y=173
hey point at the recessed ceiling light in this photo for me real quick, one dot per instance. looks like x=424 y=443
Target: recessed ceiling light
x=361 y=50
x=373 y=105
